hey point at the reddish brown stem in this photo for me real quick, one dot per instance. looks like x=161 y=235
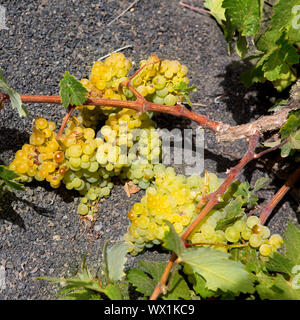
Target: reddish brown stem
x=258 y=155
x=233 y=173
x=194 y=8
x=267 y=210
x=139 y=105
x=66 y=118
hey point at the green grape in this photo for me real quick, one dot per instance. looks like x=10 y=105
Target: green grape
x=83 y=209
x=170 y=100
x=93 y=166
x=240 y=225
x=159 y=82
x=158 y=100
x=252 y=221
x=255 y=240
x=246 y=234
x=75 y=162
x=265 y=250
x=162 y=92
x=276 y=240
x=74 y=151
x=77 y=183
x=265 y=232
x=232 y=234
x=106 y=191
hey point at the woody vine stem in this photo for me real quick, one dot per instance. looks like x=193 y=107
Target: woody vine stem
x=252 y=131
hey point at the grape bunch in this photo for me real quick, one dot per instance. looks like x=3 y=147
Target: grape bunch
x=104 y=142
x=156 y=81
x=103 y=82
x=174 y=198
x=171 y=197
x=241 y=231
x=43 y=158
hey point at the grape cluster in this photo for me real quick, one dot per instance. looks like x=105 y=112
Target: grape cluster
x=241 y=231
x=173 y=198
x=156 y=81
x=103 y=82
x=43 y=158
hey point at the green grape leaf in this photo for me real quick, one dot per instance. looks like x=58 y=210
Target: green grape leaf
x=253 y=75
x=113 y=292
x=249 y=258
x=286 y=150
x=200 y=287
x=271 y=144
x=115 y=259
x=276 y=288
x=72 y=92
x=284 y=18
x=81 y=295
x=241 y=46
x=141 y=281
x=218 y=270
x=286 y=79
x=216 y=9
x=172 y=241
x=248 y=197
x=178 y=289
x=73 y=284
x=278 y=105
x=145 y=282
x=233 y=212
x=278 y=62
x=291 y=125
x=292 y=243
x=261 y=183
x=7 y=176
x=279 y=263
x=295 y=140
x=182 y=88
x=14 y=97
x=222 y=224
x=245 y=15
x=290 y=130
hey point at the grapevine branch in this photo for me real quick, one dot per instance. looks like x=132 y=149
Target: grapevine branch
x=223 y=131
x=267 y=210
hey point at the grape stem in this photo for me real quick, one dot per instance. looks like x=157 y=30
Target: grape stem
x=194 y=8
x=224 y=132
x=267 y=210
x=66 y=118
x=188 y=245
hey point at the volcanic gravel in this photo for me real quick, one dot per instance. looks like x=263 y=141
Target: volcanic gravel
x=40 y=231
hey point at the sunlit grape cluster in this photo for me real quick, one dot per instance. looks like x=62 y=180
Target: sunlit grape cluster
x=173 y=198
x=104 y=142
x=244 y=230
x=103 y=82
x=157 y=80
x=43 y=158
